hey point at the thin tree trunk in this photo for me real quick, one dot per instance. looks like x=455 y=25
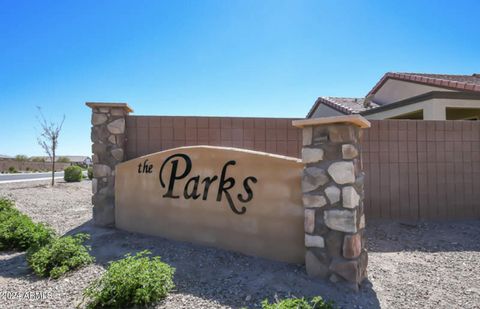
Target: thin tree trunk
x=53 y=168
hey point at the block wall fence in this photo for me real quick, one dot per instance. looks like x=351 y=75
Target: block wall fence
x=417 y=169
x=414 y=169
x=27 y=165
x=149 y=134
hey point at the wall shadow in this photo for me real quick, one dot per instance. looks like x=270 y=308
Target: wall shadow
x=424 y=236
x=229 y=278
x=237 y=280
x=16 y=266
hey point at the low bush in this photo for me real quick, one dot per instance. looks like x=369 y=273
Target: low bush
x=59 y=256
x=6 y=205
x=90 y=173
x=37 y=159
x=12 y=169
x=63 y=160
x=73 y=174
x=18 y=231
x=299 y=303
x=21 y=158
x=132 y=281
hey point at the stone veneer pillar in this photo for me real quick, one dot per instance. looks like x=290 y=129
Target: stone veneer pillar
x=332 y=187
x=108 y=138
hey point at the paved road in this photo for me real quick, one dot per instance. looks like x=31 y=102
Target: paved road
x=20 y=177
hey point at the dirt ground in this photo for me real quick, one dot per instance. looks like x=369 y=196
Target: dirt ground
x=424 y=265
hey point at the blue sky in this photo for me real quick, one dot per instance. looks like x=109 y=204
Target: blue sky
x=235 y=58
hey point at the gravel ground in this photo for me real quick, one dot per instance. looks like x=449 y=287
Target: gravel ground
x=427 y=265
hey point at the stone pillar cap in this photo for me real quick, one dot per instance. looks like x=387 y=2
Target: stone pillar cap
x=349 y=119
x=110 y=105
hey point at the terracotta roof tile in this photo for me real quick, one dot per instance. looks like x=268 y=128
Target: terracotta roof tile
x=457 y=82
x=349 y=106
x=346 y=106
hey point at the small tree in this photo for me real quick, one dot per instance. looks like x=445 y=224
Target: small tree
x=21 y=158
x=63 y=160
x=48 y=139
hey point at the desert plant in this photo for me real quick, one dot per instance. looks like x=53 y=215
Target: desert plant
x=59 y=256
x=299 y=303
x=6 y=205
x=12 y=169
x=90 y=173
x=132 y=281
x=73 y=174
x=21 y=158
x=37 y=159
x=63 y=160
x=18 y=231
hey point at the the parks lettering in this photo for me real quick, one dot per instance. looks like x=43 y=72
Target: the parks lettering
x=192 y=190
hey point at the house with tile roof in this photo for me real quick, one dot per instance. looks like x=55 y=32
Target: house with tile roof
x=410 y=96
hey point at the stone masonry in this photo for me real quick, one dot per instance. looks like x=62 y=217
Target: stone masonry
x=108 y=148
x=332 y=188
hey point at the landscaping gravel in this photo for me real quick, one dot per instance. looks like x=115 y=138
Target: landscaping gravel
x=425 y=265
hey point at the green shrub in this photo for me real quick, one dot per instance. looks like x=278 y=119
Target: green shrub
x=12 y=169
x=299 y=303
x=37 y=159
x=21 y=158
x=133 y=281
x=18 y=231
x=59 y=256
x=73 y=174
x=90 y=173
x=6 y=205
x=63 y=160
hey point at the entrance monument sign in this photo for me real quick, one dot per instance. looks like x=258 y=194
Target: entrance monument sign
x=307 y=210
x=241 y=200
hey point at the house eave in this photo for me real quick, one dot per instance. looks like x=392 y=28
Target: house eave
x=332 y=105
x=423 y=80
x=424 y=97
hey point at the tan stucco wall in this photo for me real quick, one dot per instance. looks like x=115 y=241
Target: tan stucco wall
x=395 y=90
x=272 y=225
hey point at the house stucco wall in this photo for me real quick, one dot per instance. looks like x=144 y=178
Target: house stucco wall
x=395 y=90
x=433 y=109
x=323 y=110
